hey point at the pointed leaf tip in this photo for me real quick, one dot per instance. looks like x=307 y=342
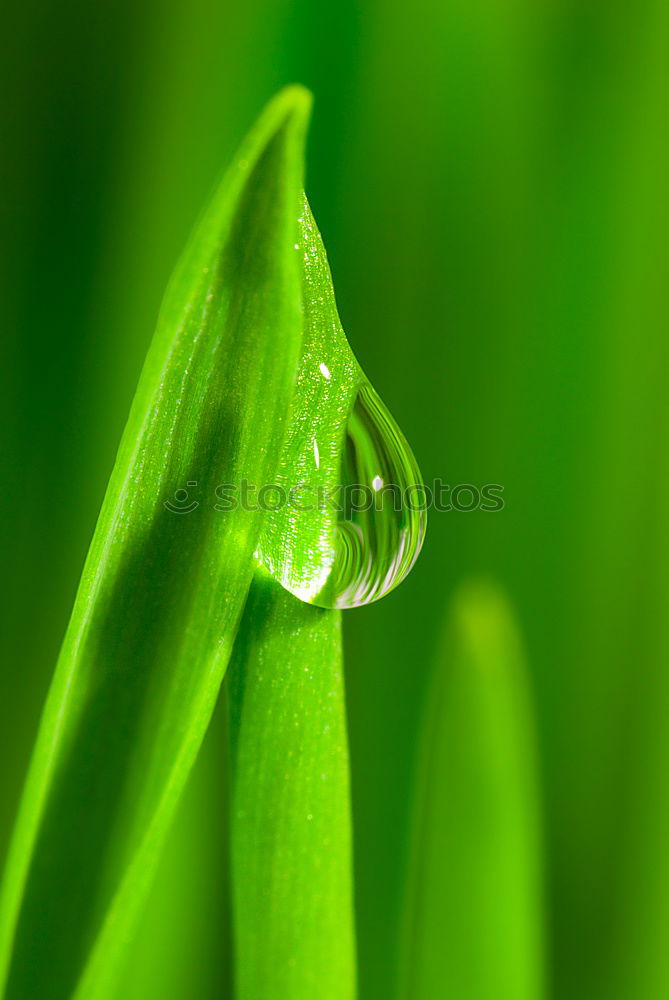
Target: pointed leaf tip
x=295 y=98
x=288 y=110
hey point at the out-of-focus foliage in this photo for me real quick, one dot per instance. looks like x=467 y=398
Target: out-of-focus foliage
x=474 y=916
x=491 y=184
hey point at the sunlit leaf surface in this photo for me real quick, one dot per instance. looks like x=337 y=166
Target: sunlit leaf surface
x=291 y=828
x=163 y=588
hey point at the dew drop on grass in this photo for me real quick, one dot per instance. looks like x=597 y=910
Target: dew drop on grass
x=350 y=518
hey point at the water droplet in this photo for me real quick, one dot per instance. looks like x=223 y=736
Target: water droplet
x=354 y=521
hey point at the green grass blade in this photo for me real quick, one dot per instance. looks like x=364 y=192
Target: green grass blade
x=474 y=926
x=181 y=947
x=290 y=822
x=161 y=593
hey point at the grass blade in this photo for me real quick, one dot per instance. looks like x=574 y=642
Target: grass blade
x=181 y=946
x=161 y=594
x=474 y=920
x=290 y=823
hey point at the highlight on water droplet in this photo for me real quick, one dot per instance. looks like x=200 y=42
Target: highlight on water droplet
x=354 y=521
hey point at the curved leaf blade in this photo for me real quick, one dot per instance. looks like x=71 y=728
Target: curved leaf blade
x=161 y=593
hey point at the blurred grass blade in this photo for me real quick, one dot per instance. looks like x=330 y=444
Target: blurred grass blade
x=474 y=922
x=161 y=593
x=290 y=822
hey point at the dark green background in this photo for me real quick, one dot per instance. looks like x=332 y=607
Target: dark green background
x=492 y=184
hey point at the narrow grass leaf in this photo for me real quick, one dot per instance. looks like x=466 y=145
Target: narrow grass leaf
x=290 y=822
x=162 y=592
x=474 y=921
x=181 y=945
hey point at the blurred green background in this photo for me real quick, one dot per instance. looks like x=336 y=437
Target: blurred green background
x=492 y=184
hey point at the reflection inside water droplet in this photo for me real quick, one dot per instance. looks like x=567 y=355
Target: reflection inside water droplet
x=354 y=520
